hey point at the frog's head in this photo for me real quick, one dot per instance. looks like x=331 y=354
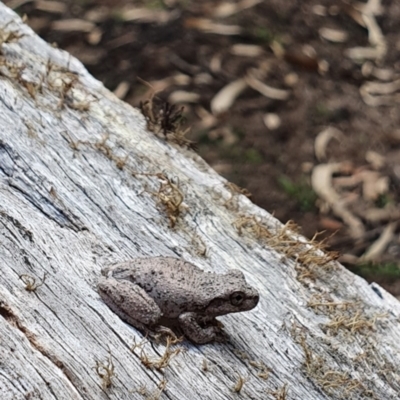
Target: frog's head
x=232 y=294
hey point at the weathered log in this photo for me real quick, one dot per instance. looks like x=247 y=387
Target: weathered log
x=84 y=184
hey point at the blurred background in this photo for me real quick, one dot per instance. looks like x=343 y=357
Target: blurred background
x=296 y=101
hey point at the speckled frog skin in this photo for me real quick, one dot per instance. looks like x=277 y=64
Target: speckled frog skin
x=146 y=291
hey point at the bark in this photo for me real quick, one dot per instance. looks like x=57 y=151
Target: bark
x=84 y=184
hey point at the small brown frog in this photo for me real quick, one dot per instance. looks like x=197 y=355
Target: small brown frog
x=147 y=292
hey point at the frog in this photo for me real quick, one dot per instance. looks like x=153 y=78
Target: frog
x=153 y=293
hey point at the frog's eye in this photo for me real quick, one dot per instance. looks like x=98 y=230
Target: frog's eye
x=237 y=298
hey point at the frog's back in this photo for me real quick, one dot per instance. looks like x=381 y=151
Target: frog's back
x=172 y=283
x=165 y=266
x=154 y=265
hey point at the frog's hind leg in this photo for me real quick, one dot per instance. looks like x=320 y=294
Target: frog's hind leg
x=130 y=302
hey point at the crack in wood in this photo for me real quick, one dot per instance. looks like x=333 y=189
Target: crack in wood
x=60 y=217
x=9 y=315
x=25 y=232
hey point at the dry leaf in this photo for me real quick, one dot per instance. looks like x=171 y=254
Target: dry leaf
x=348 y=259
x=72 y=25
x=364 y=14
x=54 y=7
x=372 y=7
x=209 y=26
x=13 y=4
x=147 y=15
x=378 y=247
x=330 y=224
x=382 y=88
x=227 y=9
x=265 y=90
x=374 y=185
x=347 y=182
x=321 y=181
x=291 y=79
x=247 y=50
x=181 y=96
x=375 y=159
x=333 y=35
x=377 y=215
x=272 y=121
x=368 y=69
x=98 y=14
x=224 y=99
x=359 y=54
x=122 y=89
x=94 y=36
x=207 y=120
x=378 y=93
x=322 y=140
x=320 y=10
x=277 y=49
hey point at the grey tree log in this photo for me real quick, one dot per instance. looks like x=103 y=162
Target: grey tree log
x=71 y=202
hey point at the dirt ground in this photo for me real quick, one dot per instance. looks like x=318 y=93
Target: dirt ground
x=298 y=68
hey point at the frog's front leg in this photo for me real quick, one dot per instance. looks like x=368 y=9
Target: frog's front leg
x=189 y=323
x=130 y=302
